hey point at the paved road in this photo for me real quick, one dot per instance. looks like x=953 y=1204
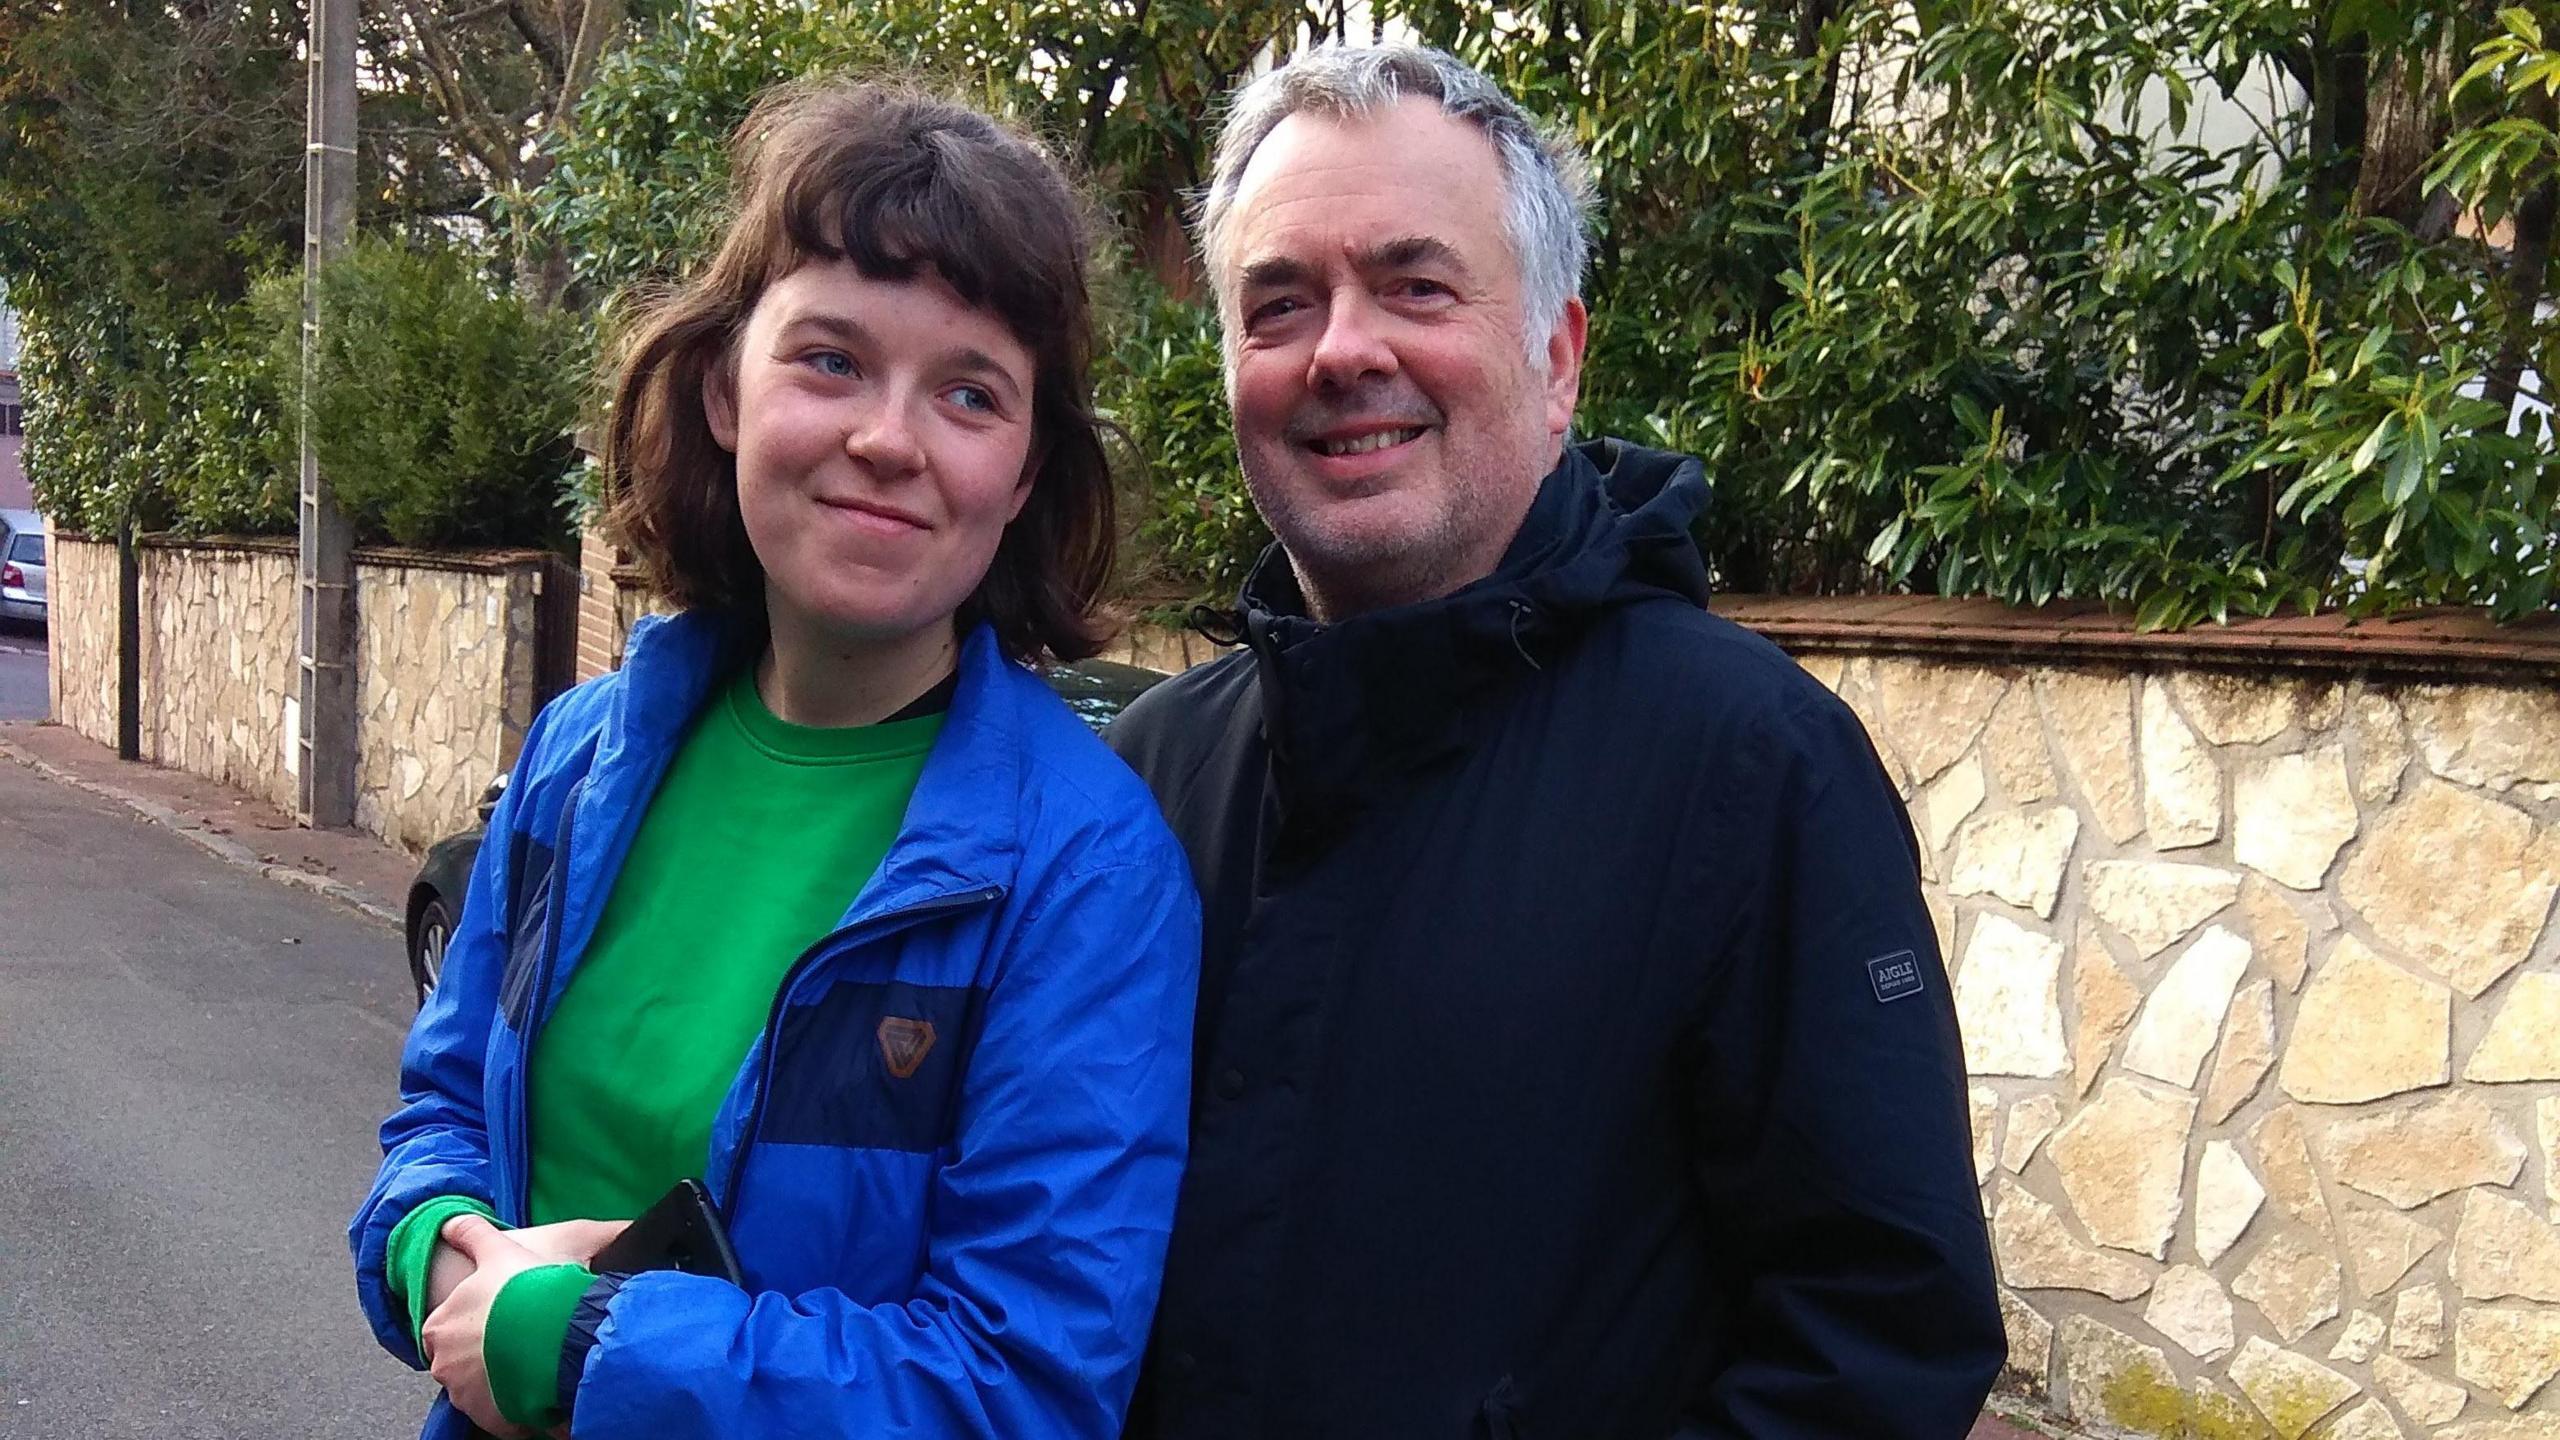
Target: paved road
x=23 y=695
x=192 y=1061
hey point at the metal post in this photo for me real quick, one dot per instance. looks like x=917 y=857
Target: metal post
x=325 y=748
x=128 y=644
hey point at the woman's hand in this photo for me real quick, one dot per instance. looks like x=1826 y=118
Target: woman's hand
x=457 y=1329
x=569 y=1242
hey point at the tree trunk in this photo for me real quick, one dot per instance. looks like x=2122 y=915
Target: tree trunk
x=2339 y=80
x=2527 y=276
x=2407 y=120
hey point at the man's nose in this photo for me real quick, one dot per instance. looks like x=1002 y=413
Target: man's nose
x=1352 y=347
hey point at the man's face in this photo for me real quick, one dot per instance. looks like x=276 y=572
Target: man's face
x=1392 y=425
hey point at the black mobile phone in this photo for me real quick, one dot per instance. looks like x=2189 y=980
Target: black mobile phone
x=681 y=1232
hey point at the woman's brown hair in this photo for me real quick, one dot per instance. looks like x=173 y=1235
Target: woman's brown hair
x=901 y=183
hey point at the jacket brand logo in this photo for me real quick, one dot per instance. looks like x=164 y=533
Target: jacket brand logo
x=1894 y=975
x=904 y=1044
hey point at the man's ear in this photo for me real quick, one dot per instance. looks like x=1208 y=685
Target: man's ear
x=720 y=402
x=1564 y=365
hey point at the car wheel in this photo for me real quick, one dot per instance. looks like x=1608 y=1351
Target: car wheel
x=427 y=940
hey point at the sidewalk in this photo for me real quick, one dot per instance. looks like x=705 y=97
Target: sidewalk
x=356 y=870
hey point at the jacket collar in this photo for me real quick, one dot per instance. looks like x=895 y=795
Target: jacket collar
x=1387 y=691
x=960 y=832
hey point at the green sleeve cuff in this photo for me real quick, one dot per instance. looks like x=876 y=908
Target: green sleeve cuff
x=412 y=1250
x=528 y=1323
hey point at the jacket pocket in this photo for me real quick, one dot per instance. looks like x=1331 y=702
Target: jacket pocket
x=1499 y=1417
x=872 y=1065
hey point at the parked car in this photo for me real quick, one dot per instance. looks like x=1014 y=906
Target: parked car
x=1095 y=689
x=22 y=566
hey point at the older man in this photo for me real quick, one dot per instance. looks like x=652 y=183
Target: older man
x=1574 y=1055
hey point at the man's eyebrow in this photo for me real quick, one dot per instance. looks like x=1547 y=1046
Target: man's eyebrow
x=1276 y=271
x=1408 y=250
x=1281 y=271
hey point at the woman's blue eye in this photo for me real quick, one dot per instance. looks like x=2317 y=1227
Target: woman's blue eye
x=832 y=363
x=974 y=397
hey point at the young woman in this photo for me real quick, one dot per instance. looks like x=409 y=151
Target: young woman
x=824 y=898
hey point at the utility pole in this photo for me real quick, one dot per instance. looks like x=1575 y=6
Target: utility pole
x=324 y=719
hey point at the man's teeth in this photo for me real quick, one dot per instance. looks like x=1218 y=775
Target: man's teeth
x=1366 y=443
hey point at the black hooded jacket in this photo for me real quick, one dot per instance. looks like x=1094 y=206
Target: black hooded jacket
x=1574 y=1054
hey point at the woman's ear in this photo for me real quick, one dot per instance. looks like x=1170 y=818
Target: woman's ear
x=720 y=402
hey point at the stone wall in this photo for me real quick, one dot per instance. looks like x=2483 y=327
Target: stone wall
x=2262 y=1008
x=80 y=585
x=445 y=654
x=446 y=688
x=2250 y=935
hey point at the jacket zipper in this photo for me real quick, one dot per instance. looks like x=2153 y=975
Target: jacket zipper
x=540 y=999
x=870 y=924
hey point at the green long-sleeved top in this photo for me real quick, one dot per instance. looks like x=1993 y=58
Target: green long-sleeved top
x=753 y=848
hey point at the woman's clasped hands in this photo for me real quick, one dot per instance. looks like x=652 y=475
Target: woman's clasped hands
x=473 y=1262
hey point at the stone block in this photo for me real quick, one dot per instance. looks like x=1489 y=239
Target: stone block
x=2511 y=1353
x=2277 y=930
x=2417 y=1322
x=2517 y=1427
x=2293 y=1392
x=2030 y=1121
x=2017 y=856
x=2368 y=1421
x=1948 y=801
x=2181 y=788
x=2366 y=1029
x=2412 y=1154
x=2284 y=1160
x=2030 y=1344
x=2037 y=1251
x=2546 y=1126
x=2458 y=882
x=1935 y=711
x=2498 y=738
x=2110 y=1378
x=2106 y=999
x=2293 y=1282
x=2384 y=1245
x=2247 y=1051
x=2092 y=718
x=1985 y=1103
x=2008 y=1001
x=2180 y=1021
x=2227 y=1199
x=2523 y=1042
x=2014 y=743
x=2291 y=815
x=2503 y=1250
x=2123 y=1164
x=2155 y=903
x=2420 y=1396
x=2188 y=1306
x=2361 y=1340
x=2236 y=709
x=2381 y=747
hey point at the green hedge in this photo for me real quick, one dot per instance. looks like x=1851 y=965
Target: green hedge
x=442 y=410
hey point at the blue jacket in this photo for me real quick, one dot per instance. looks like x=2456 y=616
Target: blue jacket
x=972 y=1249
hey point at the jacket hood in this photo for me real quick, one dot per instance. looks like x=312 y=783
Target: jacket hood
x=1610 y=527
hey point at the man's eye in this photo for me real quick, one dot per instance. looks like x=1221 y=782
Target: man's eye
x=1421 y=289
x=1273 y=309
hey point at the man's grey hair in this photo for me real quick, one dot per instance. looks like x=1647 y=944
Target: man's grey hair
x=1547 y=199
